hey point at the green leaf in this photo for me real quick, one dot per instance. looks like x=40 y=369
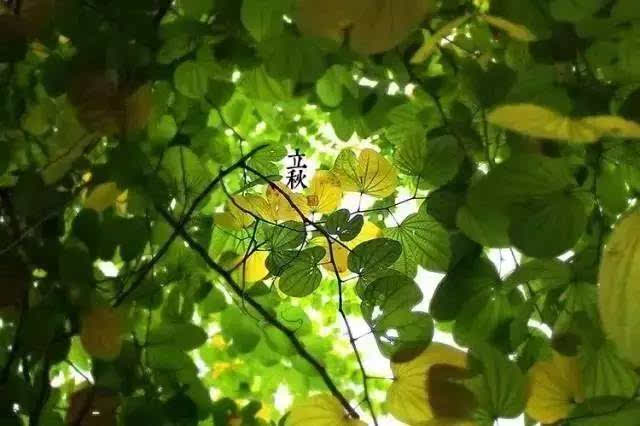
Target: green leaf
x=240 y=328
x=503 y=382
x=284 y=236
x=330 y=87
x=612 y=190
x=214 y=302
x=604 y=373
x=387 y=307
x=263 y=18
x=547 y=273
x=472 y=275
x=167 y=357
x=547 y=227
x=191 y=80
x=373 y=255
x=196 y=8
x=341 y=223
x=424 y=243
x=484 y=318
x=181 y=336
x=436 y=161
x=302 y=276
x=574 y=10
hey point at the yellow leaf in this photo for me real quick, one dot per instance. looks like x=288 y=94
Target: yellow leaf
x=138 y=109
x=254 y=268
x=407 y=398
x=101 y=333
x=540 y=122
x=324 y=194
x=233 y=218
x=614 y=126
x=370 y=173
x=431 y=43
x=554 y=387
x=103 y=196
x=620 y=286
x=320 y=410
x=275 y=207
x=374 y=26
x=515 y=31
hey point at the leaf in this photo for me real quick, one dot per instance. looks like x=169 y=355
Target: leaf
x=196 y=8
x=101 y=333
x=539 y=122
x=369 y=174
x=168 y=358
x=181 y=336
x=520 y=179
x=374 y=27
x=548 y=272
x=240 y=328
x=233 y=218
x=553 y=386
x=547 y=227
x=503 y=381
x=619 y=281
x=469 y=277
x=430 y=44
x=253 y=268
x=574 y=10
x=278 y=204
x=368 y=232
x=424 y=242
x=302 y=276
x=320 y=410
x=331 y=86
x=482 y=318
x=191 y=80
x=387 y=307
x=407 y=398
x=373 y=254
x=102 y=197
x=515 y=31
x=263 y=19
x=184 y=174
x=341 y=223
x=604 y=373
x=436 y=161
x=324 y=194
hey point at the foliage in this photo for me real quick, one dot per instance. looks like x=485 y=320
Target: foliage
x=156 y=268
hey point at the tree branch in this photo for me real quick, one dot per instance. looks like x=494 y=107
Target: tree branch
x=330 y=240
x=187 y=216
x=302 y=351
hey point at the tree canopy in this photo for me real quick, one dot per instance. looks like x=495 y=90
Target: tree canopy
x=240 y=212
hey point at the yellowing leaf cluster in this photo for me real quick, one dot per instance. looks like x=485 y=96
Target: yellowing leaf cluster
x=407 y=397
x=325 y=193
x=275 y=206
x=540 y=122
x=320 y=410
x=555 y=386
x=103 y=196
x=620 y=287
x=101 y=333
x=373 y=26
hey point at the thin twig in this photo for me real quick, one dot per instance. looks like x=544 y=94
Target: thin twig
x=302 y=351
x=187 y=216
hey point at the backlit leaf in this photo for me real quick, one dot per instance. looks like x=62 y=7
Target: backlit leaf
x=369 y=173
